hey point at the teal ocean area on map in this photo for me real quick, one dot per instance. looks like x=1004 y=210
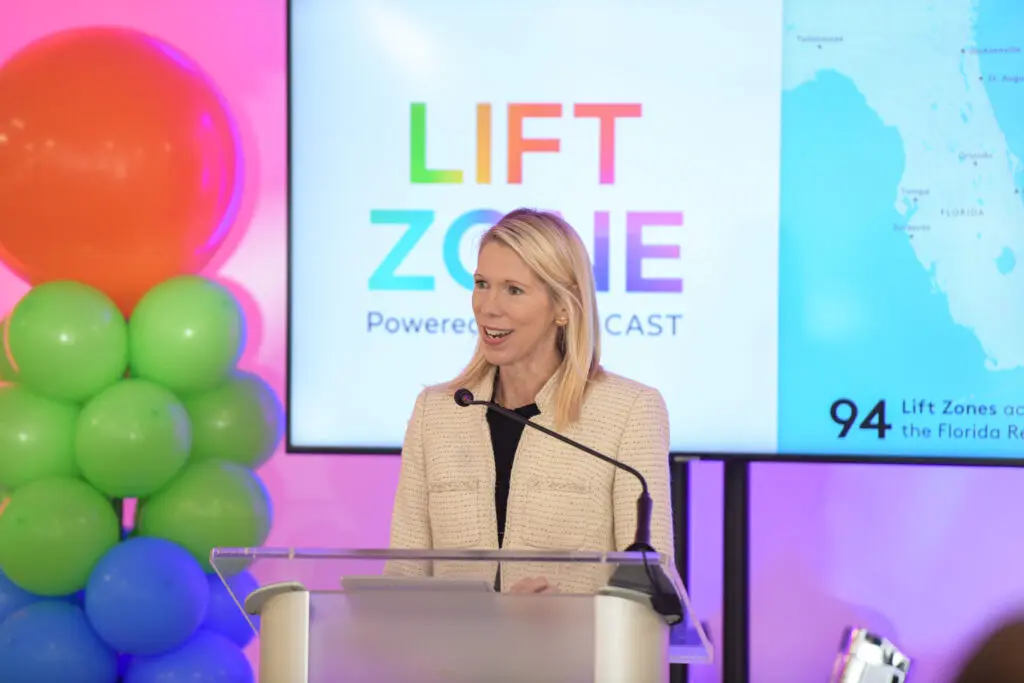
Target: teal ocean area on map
x=860 y=317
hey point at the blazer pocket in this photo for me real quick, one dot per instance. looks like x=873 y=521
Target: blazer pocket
x=557 y=514
x=454 y=506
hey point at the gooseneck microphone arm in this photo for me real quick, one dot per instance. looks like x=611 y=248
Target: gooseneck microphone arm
x=644 y=505
x=647 y=579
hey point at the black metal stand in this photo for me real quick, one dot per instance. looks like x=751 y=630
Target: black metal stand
x=736 y=573
x=680 y=673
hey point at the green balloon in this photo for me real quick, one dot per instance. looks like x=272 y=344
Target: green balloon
x=239 y=421
x=68 y=341
x=37 y=437
x=7 y=373
x=52 y=534
x=186 y=334
x=132 y=439
x=210 y=504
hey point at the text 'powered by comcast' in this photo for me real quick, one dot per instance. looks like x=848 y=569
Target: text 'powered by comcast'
x=418 y=223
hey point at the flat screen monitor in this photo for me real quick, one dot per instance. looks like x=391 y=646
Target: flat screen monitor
x=803 y=222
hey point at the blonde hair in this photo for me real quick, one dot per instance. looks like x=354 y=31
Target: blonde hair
x=550 y=247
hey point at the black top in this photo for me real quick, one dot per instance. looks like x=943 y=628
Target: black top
x=505 y=435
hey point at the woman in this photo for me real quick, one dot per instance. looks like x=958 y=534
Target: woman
x=471 y=478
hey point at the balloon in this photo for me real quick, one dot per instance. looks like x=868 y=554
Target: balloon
x=132 y=439
x=122 y=166
x=51 y=642
x=13 y=598
x=37 y=437
x=209 y=504
x=53 y=532
x=123 y=661
x=146 y=596
x=240 y=421
x=7 y=373
x=186 y=334
x=67 y=341
x=224 y=615
x=207 y=658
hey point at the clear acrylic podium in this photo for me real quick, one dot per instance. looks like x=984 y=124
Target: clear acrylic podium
x=403 y=616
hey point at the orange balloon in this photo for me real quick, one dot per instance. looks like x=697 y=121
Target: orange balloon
x=120 y=165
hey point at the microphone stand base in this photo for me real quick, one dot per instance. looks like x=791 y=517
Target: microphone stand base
x=652 y=581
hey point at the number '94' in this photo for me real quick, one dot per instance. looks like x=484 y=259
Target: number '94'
x=845 y=413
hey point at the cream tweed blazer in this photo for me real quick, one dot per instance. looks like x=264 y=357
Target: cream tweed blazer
x=559 y=499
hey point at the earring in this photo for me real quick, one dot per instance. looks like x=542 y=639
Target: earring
x=562 y=322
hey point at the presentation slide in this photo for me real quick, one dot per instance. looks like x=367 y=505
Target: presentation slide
x=803 y=222
x=901 y=306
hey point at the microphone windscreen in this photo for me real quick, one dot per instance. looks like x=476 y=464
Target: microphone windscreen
x=464 y=397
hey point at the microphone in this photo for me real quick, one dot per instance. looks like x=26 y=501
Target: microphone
x=644 y=505
x=655 y=584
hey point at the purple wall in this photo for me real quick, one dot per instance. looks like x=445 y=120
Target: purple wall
x=928 y=556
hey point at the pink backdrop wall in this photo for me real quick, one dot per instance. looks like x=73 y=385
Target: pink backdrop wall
x=927 y=555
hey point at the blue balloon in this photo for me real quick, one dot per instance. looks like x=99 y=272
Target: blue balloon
x=13 y=598
x=224 y=616
x=123 y=661
x=146 y=596
x=50 y=642
x=207 y=658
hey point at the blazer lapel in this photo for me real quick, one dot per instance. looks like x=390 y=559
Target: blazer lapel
x=482 y=450
x=527 y=450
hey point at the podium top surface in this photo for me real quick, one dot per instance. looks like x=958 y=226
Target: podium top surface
x=568 y=572
x=226 y=556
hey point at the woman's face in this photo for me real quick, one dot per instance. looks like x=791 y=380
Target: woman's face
x=514 y=310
